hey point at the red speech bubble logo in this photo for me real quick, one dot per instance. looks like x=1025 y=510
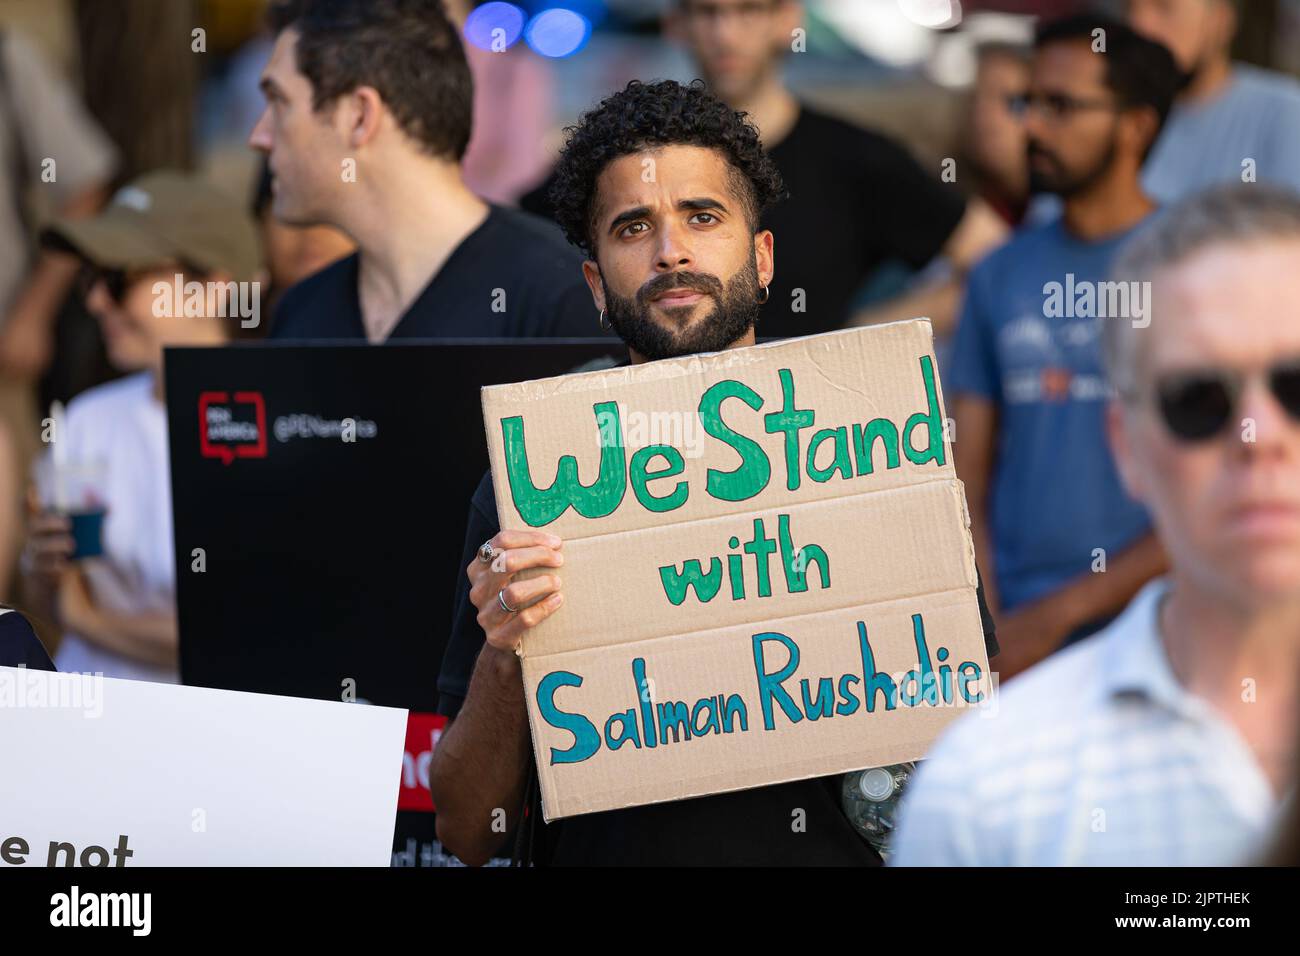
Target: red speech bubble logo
x=228 y=451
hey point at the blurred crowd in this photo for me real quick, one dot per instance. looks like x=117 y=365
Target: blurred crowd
x=1070 y=200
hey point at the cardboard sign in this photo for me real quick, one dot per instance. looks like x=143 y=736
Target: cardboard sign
x=117 y=773
x=768 y=570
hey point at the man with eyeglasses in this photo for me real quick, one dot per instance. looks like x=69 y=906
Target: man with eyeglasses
x=1069 y=548
x=1167 y=740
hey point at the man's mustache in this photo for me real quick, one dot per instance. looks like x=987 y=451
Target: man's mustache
x=695 y=281
x=1034 y=149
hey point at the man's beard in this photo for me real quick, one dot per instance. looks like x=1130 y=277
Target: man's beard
x=1065 y=185
x=734 y=314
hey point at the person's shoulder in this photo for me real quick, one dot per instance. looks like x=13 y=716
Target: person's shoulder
x=307 y=294
x=1033 y=717
x=1268 y=88
x=111 y=397
x=1011 y=253
x=19 y=645
x=822 y=125
x=541 y=237
x=327 y=281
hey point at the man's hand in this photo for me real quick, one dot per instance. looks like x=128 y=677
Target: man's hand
x=76 y=607
x=49 y=546
x=534 y=598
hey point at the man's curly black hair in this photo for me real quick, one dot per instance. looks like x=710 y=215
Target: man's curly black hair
x=645 y=115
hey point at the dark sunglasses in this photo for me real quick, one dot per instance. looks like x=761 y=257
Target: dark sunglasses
x=1198 y=405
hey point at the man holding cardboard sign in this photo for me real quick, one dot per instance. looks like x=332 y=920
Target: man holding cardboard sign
x=742 y=622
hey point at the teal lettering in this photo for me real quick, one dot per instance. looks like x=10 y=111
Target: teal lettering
x=789 y=420
x=931 y=420
x=752 y=474
x=586 y=741
x=642 y=476
x=841 y=461
x=864 y=441
x=540 y=506
x=874 y=680
x=769 y=685
x=676 y=583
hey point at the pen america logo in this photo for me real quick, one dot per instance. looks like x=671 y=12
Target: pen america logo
x=234 y=425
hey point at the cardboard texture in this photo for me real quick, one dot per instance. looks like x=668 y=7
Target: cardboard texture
x=768 y=570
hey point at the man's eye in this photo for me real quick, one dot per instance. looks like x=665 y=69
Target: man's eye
x=632 y=228
x=704 y=217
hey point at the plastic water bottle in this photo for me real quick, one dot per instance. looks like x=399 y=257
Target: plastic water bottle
x=870 y=799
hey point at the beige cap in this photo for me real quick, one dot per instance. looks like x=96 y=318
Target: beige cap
x=166 y=215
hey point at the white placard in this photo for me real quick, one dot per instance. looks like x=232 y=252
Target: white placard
x=192 y=776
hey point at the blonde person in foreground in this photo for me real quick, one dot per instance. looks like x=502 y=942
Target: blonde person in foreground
x=1168 y=738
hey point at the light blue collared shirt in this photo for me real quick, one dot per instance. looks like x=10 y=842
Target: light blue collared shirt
x=1097 y=756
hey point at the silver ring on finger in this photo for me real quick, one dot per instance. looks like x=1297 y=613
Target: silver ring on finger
x=501 y=599
x=486 y=552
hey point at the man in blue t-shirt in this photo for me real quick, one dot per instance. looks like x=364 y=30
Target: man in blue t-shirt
x=1047 y=507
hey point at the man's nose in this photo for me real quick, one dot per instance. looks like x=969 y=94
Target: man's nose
x=674 y=250
x=1264 y=427
x=97 y=297
x=260 y=138
x=1032 y=121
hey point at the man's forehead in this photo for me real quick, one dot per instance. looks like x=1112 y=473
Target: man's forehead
x=1069 y=63
x=659 y=173
x=1227 y=304
x=283 y=59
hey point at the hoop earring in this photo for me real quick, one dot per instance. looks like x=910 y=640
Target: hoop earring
x=764 y=296
x=604 y=326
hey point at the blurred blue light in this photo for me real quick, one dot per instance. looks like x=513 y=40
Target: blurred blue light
x=482 y=24
x=557 y=32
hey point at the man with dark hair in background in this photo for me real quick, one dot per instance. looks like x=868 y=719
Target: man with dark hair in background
x=1232 y=122
x=1047 y=508
x=367 y=118
x=858 y=200
x=679 y=263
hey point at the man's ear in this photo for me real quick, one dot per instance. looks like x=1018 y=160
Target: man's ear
x=789 y=17
x=364 y=117
x=1119 y=425
x=1144 y=126
x=765 y=256
x=591 y=272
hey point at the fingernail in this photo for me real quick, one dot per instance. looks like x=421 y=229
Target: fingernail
x=557 y=600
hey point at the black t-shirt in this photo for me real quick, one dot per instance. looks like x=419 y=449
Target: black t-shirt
x=513 y=276
x=19 y=645
x=857 y=199
x=753 y=827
